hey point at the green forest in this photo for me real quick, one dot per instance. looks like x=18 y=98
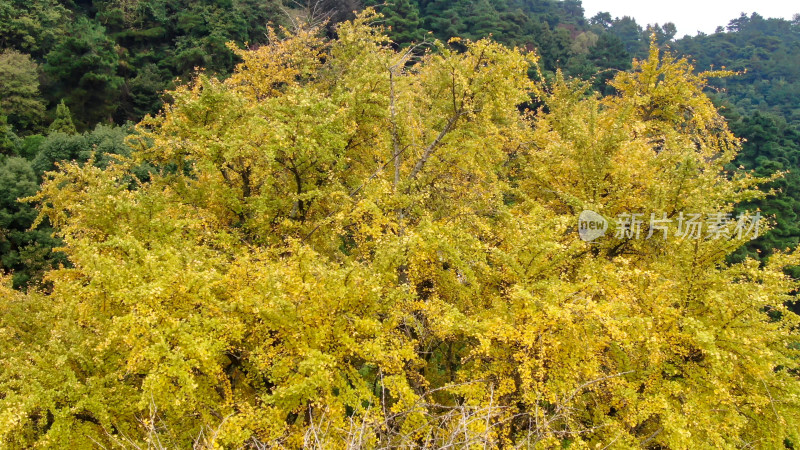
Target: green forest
x=360 y=224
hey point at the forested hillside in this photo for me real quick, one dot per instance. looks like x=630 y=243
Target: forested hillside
x=333 y=224
x=762 y=105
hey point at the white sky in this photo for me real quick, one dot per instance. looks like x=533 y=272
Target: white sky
x=691 y=16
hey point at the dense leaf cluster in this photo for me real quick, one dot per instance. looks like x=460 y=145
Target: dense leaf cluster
x=108 y=62
x=313 y=240
x=349 y=244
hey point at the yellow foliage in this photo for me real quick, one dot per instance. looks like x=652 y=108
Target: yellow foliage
x=349 y=245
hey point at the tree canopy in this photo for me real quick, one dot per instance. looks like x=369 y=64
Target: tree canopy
x=351 y=243
x=19 y=90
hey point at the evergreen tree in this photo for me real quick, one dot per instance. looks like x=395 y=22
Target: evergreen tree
x=401 y=19
x=481 y=19
x=609 y=56
x=573 y=11
x=631 y=35
x=63 y=120
x=771 y=146
x=84 y=69
x=143 y=93
x=444 y=18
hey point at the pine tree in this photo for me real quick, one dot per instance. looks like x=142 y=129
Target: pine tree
x=84 y=66
x=402 y=20
x=444 y=18
x=481 y=18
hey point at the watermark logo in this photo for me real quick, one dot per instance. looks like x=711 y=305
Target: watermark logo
x=591 y=225
x=717 y=225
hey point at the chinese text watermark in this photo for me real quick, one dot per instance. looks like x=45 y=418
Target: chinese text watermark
x=717 y=225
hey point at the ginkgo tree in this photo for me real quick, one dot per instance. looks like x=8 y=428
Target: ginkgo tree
x=349 y=245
